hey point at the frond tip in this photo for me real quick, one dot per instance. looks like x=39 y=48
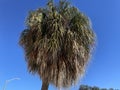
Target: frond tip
x=58 y=43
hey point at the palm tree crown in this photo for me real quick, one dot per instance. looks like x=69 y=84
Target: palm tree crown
x=58 y=42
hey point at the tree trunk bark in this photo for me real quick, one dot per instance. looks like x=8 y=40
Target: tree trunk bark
x=45 y=85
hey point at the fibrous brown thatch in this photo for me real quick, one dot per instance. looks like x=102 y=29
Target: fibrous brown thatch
x=58 y=42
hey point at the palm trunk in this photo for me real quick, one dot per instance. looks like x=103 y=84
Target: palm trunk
x=45 y=85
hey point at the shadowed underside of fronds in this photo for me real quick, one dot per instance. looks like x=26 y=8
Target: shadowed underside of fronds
x=58 y=42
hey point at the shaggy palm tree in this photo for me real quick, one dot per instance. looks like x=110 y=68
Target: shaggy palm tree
x=58 y=42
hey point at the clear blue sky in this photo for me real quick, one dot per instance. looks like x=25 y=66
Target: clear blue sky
x=104 y=68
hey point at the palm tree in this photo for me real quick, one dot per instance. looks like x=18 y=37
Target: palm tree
x=58 y=42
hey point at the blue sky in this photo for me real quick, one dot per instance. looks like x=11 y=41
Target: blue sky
x=104 y=67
